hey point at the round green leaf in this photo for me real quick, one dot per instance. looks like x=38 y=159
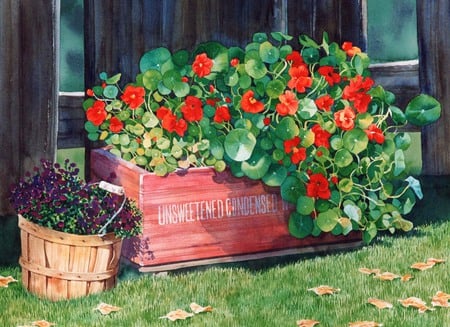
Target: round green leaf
x=327 y=220
x=310 y=55
x=269 y=53
x=180 y=89
x=287 y=128
x=423 y=110
x=300 y=226
x=239 y=144
x=355 y=140
x=275 y=88
x=398 y=116
x=170 y=78
x=154 y=59
x=180 y=58
x=255 y=68
x=343 y=158
x=291 y=189
x=257 y=165
x=305 y=205
x=402 y=141
x=307 y=107
x=151 y=78
x=110 y=91
x=275 y=176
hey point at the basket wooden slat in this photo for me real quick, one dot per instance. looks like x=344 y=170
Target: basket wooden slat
x=58 y=265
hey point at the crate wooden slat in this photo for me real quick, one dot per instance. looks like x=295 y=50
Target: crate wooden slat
x=204 y=215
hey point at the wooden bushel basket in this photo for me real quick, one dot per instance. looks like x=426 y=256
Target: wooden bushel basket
x=57 y=265
x=203 y=217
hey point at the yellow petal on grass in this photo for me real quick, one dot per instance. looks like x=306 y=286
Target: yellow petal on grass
x=440 y=299
x=380 y=304
x=178 y=314
x=4 y=281
x=386 y=276
x=435 y=260
x=364 y=324
x=406 y=277
x=42 y=323
x=106 y=309
x=196 y=308
x=324 y=289
x=307 y=323
x=368 y=271
x=415 y=302
x=423 y=265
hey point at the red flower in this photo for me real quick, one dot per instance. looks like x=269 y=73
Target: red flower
x=97 y=113
x=115 y=125
x=324 y=102
x=288 y=104
x=345 y=119
x=375 y=134
x=356 y=91
x=296 y=58
x=267 y=121
x=168 y=121
x=291 y=143
x=334 y=179
x=89 y=92
x=222 y=114
x=133 y=96
x=234 y=62
x=250 y=104
x=161 y=112
x=318 y=187
x=329 y=74
x=300 y=79
x=202 y=65
x=350 y=49
x=192 y=109
x=180 y=127
x=184 y=79
x=322 y=137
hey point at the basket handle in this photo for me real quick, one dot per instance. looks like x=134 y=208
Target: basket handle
x=112 y=188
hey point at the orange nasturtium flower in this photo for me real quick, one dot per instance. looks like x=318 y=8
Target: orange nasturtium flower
x=133 y=96
x=288 y=104
x=375 y=134
x=324 y=102
x=97 y=113
x=250 y=104
x=115 y=125
x=350 y=49
x=202 y=65
x=329 y=74
x=192 y=109
x=345 y=119
x=222 y=114
x=300 y=78
x=318 y=187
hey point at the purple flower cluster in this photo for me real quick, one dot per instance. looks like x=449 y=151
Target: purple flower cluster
x=55 y=197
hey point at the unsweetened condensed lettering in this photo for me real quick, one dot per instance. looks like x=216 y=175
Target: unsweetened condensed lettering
x=188 y=212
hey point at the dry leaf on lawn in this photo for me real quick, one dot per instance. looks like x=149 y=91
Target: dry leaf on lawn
x=42 y=323
x=178 y=314
x=106 y=309
x=386 y=276
x=380 y=304
x=440 y=299
x=4 y=281
x=368 y=271
x=307 y=323
x=415 y=302
x=196 y=308
x=324 y=289
x=406 y=277
x=423 y=265
x=435 y=260
x=364 y=324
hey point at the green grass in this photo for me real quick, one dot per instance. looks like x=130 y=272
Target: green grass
x=262 y=293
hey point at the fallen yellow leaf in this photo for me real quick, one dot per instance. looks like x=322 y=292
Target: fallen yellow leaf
x=106 y=309
x=423 y=265
x=4 y=281
x=178 y=314
x=440 y=299
x=196 y=308
x=406 y=277
x=380 y=304
x=386 y=276
x=324 y=289
x=435 y=260
x=364 y=324
x=307 y=323
x=415 y=302
x=368 y=271
x=42 y=323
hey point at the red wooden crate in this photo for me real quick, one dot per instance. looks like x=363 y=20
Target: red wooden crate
x=202 y=216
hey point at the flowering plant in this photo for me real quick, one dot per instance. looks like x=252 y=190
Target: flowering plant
x=310 y=121
x=54 y=197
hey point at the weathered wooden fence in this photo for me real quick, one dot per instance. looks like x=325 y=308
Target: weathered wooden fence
x=118 y=32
